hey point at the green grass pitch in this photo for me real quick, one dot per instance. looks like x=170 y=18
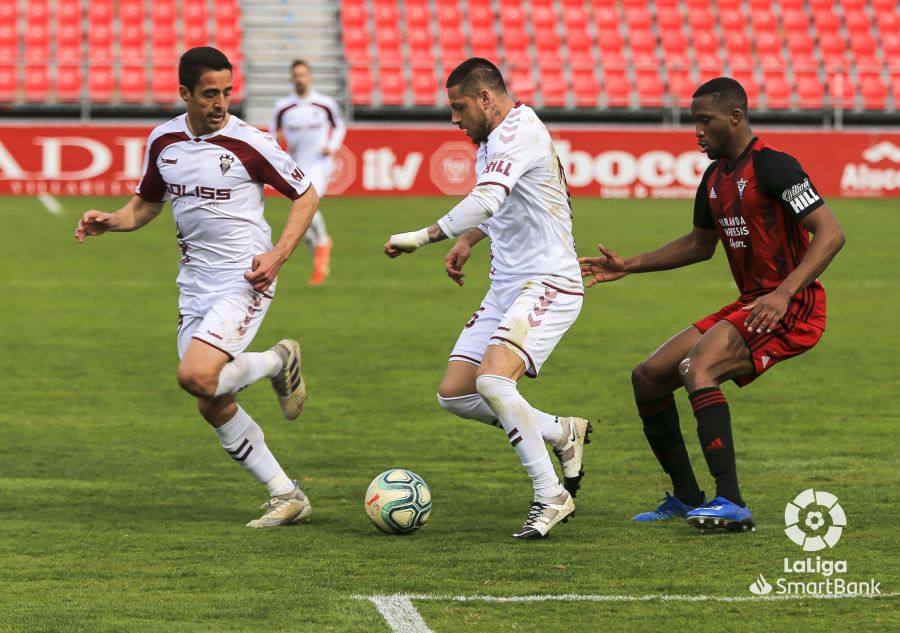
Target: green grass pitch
x=120 y=511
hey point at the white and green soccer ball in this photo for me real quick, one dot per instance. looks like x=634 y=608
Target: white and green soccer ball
x=398 y=501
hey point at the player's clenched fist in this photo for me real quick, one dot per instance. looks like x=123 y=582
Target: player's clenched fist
x=92 y=223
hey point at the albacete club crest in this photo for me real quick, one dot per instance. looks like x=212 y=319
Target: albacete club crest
x=225 y=161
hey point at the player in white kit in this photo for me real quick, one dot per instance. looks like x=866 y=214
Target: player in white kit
x=314 y=131
x=213 y=166
x=520 y=201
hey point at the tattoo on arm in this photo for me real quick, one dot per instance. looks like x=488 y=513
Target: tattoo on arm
x=435 y=234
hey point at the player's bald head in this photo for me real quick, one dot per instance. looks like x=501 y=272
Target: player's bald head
x=726 y=94
x=476 y=74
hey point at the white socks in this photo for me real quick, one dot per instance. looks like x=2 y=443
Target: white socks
x=521 y=423
x=242 y=438
x=245 y=370
x=473 y=407
x=316 y=234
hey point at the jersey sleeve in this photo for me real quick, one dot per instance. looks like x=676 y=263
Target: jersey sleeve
x=783 y=178
x=702 y=213
x=271 y=165
x=339 y=129
x=509 y=156
x=152 y=187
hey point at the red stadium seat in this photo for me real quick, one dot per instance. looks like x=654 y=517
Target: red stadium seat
x=193 y=11
x=481 y=15
x=778 y=91
x=810 y=93
x=132 y=84
x=586 y=88
x=8 y=83
x=768 y=43
x=9 y=11
x=642 y=41
x=873 y=93
x=738 y=44
x=607 y=18
x=100 y=11
x=826 y=21
x=360 y=86
x=68 y=34
x=67 y=12
x=857 y=21
x=163 y=12
x=553 y=88
x=9 y=35
x=37 y=83
x=68 y=55
x=68 y=83
x=522 y=84
x=164 y=84
x=512 y=17
x=226 y=12
x=387 y=44
x=424 y=86
x=193 y=35
x=391 y=86
x=610 y=42
x=101 y=82
x=515 y=44
x=544 y=16
x=650 y=91
x=355 y=14
x=890 y=44
x=705 y=43
x=617 y=90
x=37 y=11
x=674 y=42
x=800 y=43
x=763 y=22
x=227 y=36
x=681 y=86
x=483 y=42
x=841 y=90
x=356 y=44
x=131 y=11
x=385 y=14
x=669 y=19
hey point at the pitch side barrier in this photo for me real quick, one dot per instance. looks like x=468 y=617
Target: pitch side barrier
x=392 y=160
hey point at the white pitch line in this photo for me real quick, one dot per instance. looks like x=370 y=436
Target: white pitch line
x=402 y=616
x=50 y=203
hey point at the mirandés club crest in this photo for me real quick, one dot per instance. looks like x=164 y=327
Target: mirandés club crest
x=225 y=161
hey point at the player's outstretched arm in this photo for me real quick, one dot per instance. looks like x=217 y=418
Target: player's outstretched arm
x=409 y=242
x=697 y=246
x=459 y=254
x=135 y=214
x=828 y=239
x=481 y=203
x=265 y=266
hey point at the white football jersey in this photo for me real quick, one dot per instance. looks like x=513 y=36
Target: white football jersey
x=309 y=124
x=531 y=232
x=216 y=184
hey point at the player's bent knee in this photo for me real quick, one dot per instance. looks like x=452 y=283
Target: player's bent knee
x=197 y=384
x=492 y=387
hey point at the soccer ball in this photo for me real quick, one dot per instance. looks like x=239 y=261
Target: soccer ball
x=398 y=501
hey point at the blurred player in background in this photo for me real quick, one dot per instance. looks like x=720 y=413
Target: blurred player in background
x=520 y=201
x=213 y=167
x=762 y=206
x=313 y=130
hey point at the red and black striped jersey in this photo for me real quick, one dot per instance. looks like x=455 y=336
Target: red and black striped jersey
x=756 y=208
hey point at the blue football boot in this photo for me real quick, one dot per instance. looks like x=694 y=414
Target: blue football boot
x=721 y=514
x=671 y=508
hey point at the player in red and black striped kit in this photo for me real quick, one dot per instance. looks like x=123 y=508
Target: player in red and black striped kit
x=760 y=204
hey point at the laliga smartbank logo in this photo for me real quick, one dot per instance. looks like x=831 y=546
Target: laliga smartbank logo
x=814 y=520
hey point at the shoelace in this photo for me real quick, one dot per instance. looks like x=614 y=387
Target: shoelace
x=534 y=513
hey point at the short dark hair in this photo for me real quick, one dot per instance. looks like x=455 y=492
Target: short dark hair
x=300 y=62
x=197 y=61
x=475 y=73
x=726 y=90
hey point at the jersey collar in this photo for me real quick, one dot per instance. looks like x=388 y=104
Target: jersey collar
x=231 y=121
x=740 y=158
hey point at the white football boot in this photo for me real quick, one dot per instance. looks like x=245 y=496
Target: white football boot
x=544 y=514
x=289 y=383
x=570 y=450
x=286 y=509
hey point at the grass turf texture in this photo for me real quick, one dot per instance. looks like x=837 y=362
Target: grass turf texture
x=121 y=511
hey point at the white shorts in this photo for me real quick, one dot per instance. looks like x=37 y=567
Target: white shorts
x=528 y=318
x=227 y=320
x=319 y=173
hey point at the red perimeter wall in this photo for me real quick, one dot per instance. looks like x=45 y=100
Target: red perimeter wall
x=435 y=160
